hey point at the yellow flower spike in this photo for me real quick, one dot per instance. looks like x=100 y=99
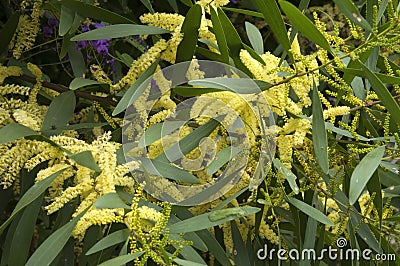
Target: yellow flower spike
x=9 y=71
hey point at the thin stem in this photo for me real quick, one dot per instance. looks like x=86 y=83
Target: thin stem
x=60 y=88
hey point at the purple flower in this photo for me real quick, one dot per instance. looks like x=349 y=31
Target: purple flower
x=102 y=49
x=99 y=25
x=80 y=45
x=234 y=2
x=47 y=32
x=52 y=22
x=85 y=28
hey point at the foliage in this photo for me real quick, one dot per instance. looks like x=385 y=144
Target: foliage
x=80 y=81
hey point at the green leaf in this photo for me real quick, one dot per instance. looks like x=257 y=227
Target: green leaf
x=190 y=142
x=190 y=30
x=310 y=211
x=85 y=158
x=110 y=240
x=222 y=157
x=304 y=25
x=33 y=193
x=15 y=131
x=76 y=59
x=255 y=38
x=59 y=113
x=148 y=5
x=220 y=36
x=383 y=94
x=188 y=263
x=132 y=94
x=121 y=260
x=351 y=12
x=118 y=31
x=211 y=219
x=66 y=19
x=290 y=177
x=174 y=5
x=244 y=11
x=363 y=172
x=319 y=136
x=235 y=43
x=22 y=236
x=237 y=85
x=110 y=201
x=50 y=248
x=272 y=15
x=7 y=32
x=98 y=13
x=159 y=130
x=77 y=83
x=164 y=169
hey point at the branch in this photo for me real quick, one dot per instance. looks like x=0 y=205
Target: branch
x=370 y=104
x=61 y=88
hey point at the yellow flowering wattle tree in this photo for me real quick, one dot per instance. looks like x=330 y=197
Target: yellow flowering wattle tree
x=208 y=132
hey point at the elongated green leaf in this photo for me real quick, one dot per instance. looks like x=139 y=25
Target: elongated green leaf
x=188 y=263
x=15 y=131
x=311 y=232
x=222 y=157
x=290 y=177
x=110 y=240
x=319 y=136
x=82 y=82
x=110 y=201
x=220 y=35
x=310 y=211
x=351 y=12
x=255 y=38
x=174 y=5
x=383 y=77
x=272 y=15
x=85 y=158
x=253 y=54
x=159 y=130
x=118 y=31
x=129 y=96
x=22 y=236
x=7 y=32
x=50 y=248
x=363 y=172
x=59 y=113
x=163 y=168
x=304 y=25
x=190 y=30
x=188 y=143
x=33 y=193
x=95 y=12
x=384 y=95
x=148 y=5
x=66 y=20
x=211 y=219
x=244 y=11
x=235 y=44
x=76 y=59
x=237 y=85
x=121 y=260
